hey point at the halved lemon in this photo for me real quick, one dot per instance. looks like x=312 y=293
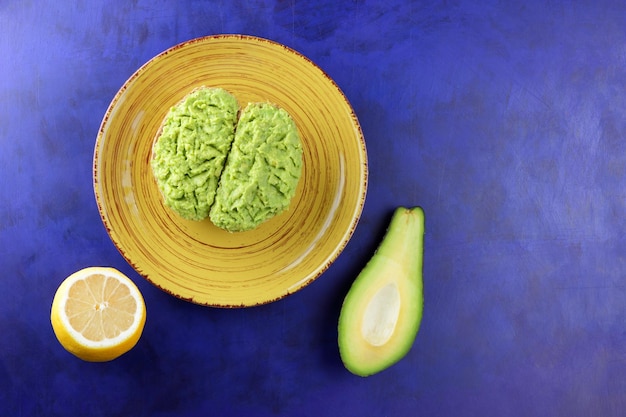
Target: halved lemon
x=98 y=314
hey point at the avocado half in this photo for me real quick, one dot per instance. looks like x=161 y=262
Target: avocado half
x=382 y=311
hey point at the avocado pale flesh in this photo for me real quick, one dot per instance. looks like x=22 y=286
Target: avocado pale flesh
x=382 y=311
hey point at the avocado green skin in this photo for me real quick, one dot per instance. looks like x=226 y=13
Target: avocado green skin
x=398 y=260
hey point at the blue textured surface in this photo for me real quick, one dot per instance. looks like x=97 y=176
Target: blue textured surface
x=505 y=121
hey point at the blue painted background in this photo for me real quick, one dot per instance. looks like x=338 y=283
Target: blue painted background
x=505 y=121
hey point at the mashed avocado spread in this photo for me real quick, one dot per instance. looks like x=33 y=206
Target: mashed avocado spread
x=262 y=169
x=191 y=149
x=238 y=172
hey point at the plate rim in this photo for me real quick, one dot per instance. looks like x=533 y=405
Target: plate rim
x=363 y=162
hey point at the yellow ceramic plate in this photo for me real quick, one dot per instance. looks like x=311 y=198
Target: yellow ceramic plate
x=196 y=261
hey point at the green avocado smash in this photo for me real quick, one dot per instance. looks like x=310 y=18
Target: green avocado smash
x=382 y=312
x=240 y=172
x=190 y=151
x=262 y=171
